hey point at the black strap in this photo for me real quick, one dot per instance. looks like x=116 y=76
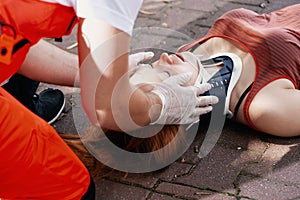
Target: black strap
x=71 y=23
x=241 y=100
x=60 y=39
x=19 y=45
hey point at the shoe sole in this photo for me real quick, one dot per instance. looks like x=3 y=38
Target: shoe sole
x=58 y=114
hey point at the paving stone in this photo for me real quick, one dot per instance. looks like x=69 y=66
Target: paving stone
x=106 y=189
x=154 y=5
x=146 y=180
x=75 y=120
x=147 y=21
x=244 y=138
x=294 y=141
x=280 y=163
x=190 y=192
x=171 y=19
x=150 y=179
x=219 y=169
x=259 y=188
x=275 y=4
x=174 y=171
x=199 y=5
x=191 y=156
x=156 y=196
x=249 y=2
x=158 y=38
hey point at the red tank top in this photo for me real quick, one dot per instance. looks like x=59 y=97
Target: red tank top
x=272 y=39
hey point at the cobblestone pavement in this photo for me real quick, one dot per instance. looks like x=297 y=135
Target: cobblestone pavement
x=244 y=164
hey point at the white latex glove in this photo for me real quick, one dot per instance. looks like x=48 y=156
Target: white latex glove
x=135 y=59
x=180 y=104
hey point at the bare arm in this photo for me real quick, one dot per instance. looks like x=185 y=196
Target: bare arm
x=47 y=63
x=107 y=95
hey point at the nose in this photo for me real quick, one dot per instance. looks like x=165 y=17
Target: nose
x=165 y=59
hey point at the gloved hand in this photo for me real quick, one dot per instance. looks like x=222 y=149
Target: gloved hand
x=135 y=59
x=180 y=104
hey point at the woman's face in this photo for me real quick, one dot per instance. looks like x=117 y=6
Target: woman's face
x=166 y=66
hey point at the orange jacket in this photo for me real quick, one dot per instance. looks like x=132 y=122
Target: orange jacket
x=34 y=161
x=23 y=23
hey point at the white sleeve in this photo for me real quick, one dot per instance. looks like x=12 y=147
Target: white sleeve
x=118 y=13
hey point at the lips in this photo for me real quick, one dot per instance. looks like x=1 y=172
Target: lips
x=179 y=56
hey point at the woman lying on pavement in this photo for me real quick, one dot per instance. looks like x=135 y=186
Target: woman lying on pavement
x=253 y=58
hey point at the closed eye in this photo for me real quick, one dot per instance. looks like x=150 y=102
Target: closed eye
x=164 y=75
x=168 y=73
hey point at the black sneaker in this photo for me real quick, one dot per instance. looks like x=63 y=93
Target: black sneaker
x=49 y=104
